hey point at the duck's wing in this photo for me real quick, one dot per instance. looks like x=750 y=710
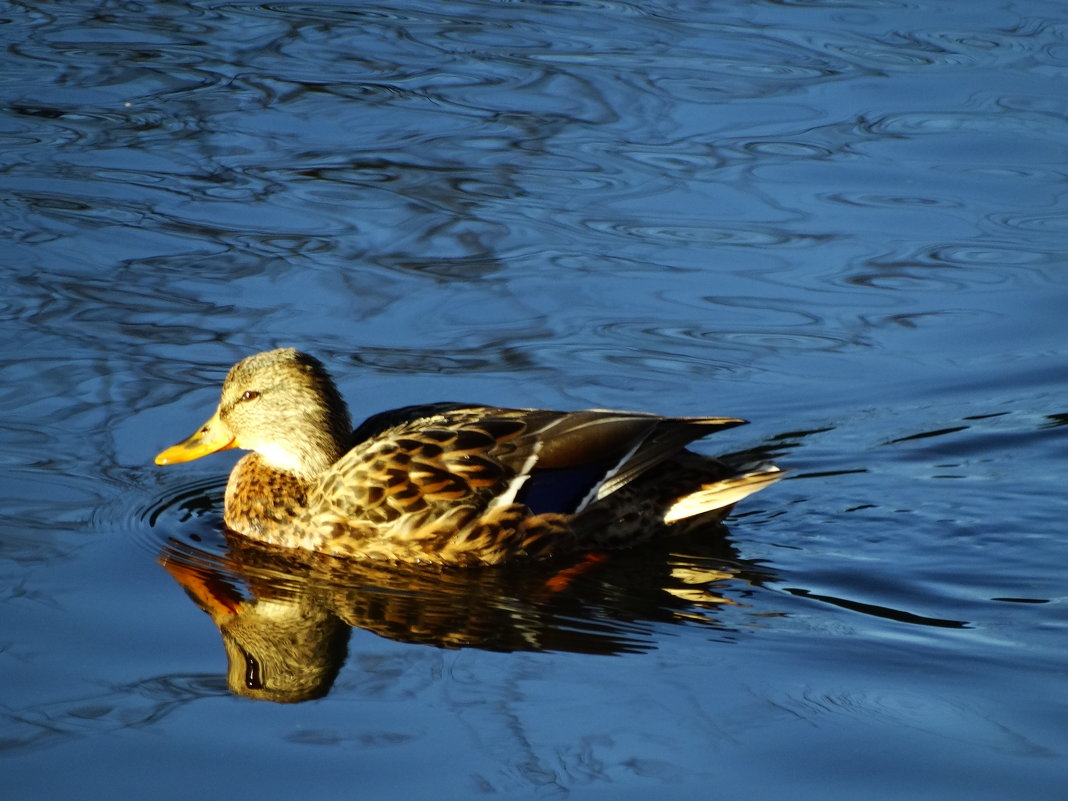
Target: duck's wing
x=435 y=460
x=626 y=444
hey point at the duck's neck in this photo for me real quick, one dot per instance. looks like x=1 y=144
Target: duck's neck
x=303 y=461
x=310 y=439
x=316 y=436
x=269 y=487
x=261 y=499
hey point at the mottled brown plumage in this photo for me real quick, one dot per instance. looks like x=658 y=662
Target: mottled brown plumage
x=450 y=483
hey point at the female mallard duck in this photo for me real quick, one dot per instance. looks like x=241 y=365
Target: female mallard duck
x=451 y=483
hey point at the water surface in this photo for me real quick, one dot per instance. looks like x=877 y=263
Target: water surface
x=843 y=221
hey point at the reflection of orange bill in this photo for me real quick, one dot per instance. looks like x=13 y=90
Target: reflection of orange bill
x=215 y=596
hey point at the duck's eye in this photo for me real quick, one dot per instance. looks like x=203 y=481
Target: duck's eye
x=250 y=395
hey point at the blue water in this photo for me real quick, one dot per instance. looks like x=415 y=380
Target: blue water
x=844 y=221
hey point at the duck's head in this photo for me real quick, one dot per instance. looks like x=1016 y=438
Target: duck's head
x=281 y=404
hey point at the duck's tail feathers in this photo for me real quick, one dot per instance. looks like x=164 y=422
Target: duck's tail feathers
x=721 y=494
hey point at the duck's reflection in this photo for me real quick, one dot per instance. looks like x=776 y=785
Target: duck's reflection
x=285 y=621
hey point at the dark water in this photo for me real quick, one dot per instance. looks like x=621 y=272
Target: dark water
x=845 y=221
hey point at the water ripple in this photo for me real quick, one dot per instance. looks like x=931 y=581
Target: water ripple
x=911 y=124
x=631 y=333
x=947 y=717
x=741 y=235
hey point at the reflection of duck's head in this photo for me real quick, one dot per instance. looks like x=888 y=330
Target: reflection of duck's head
x=282 y=646
x=281 y=404
x=283 y=650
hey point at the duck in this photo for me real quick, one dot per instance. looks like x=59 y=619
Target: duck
x=453 y=484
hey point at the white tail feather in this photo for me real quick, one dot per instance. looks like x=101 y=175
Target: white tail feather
x=721 y=493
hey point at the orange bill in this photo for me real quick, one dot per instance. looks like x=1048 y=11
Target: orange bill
x=213 y=436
